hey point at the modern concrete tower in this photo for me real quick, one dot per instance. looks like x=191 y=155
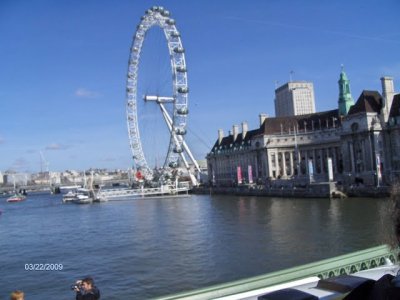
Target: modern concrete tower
x=345 y=99
x=294 y=98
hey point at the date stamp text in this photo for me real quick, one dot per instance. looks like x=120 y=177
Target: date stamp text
x=43 y=267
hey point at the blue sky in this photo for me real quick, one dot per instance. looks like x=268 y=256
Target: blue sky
x=63 y=68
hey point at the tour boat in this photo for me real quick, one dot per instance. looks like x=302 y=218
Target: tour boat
x=80 y=196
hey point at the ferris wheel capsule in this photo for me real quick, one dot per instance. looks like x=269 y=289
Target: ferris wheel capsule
x=170 y=21
x=165 y=13
x=182 y=111
x=178 y=150
x=175 y=34
x=183 y=90
x=180 y=131
x=181 y=69
x=173 y=164
x=179 y=50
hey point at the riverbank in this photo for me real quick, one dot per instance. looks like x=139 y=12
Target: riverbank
x=315 y=190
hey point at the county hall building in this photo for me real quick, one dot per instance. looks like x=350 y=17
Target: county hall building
x=358 y=143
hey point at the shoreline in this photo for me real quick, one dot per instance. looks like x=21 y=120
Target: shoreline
x=322 y=190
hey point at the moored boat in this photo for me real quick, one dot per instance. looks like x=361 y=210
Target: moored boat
x=69 y=197
x=80 y=196
x=83 y=199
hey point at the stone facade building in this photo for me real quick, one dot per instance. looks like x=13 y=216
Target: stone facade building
x=354 y=144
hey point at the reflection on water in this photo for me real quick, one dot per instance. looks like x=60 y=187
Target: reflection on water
x=150 y=247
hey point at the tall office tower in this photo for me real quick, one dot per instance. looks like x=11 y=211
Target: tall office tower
x=294 y=98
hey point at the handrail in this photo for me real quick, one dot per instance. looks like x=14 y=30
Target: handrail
x=339 y=265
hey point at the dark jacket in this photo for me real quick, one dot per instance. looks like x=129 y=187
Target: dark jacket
x=94 y=294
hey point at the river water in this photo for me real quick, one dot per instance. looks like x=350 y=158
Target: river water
x=144 y=248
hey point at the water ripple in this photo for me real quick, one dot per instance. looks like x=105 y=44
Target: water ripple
x=152 y=247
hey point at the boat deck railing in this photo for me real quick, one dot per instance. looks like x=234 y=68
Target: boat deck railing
x=327 y=268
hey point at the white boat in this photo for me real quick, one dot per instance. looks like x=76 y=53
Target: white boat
x=68 y=197
x=80 y=196
x=83 y=198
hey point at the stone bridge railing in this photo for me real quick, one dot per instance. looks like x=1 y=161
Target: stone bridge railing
x=344 y=264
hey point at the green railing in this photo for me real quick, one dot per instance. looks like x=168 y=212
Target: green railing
x=339 y=265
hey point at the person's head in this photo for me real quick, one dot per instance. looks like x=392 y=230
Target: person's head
x=87 y=283
x=17 y=295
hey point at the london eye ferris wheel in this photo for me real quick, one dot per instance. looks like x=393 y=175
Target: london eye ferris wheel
x=173 y=108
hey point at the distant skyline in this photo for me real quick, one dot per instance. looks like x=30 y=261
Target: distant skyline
x=63 y=69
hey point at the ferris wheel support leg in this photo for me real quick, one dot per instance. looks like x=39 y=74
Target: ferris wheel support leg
x=185 y=146
x=168 y=120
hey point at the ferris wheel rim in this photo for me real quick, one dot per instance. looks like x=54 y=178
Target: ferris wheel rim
x=158 y=16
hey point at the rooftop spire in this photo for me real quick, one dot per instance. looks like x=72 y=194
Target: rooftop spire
x=345 y=99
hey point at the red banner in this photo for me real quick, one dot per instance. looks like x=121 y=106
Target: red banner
x=239 y=175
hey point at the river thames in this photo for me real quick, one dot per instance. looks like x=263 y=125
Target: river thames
x=143 y=248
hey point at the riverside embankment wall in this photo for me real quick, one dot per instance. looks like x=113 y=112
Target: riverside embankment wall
x=327 y=190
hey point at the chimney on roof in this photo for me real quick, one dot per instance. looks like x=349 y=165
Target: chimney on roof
x=262 y=118
x=387 y=94
x=245 y=128
x=235 y=131
x=220 y=136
